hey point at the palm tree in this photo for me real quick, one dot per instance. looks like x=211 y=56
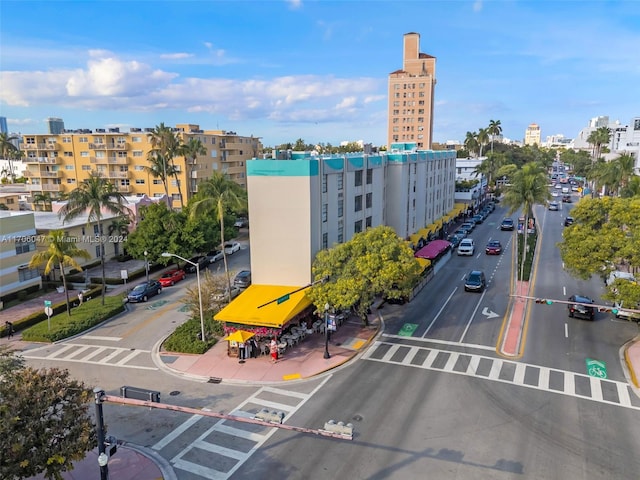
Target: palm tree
x=625 y=169
x=494 y=129
x=43 y=198
x=483 y=138
x=165 y=144
x=93 y=196
x=528 y=187
x=632 y=189
x=60 y=252
x=217 y=195
x=9 y=151
x=471 y=142
x=190 y=152
x=597 y=138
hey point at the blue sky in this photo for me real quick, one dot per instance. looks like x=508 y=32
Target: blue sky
x=316 y=70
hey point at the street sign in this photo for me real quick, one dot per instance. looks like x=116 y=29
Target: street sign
x=596 y=368
x=124 y=274
x=48 y=311
x=282 y=299
x=47 y=303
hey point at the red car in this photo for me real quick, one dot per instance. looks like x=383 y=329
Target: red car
x=494 y=247
x=171 y=277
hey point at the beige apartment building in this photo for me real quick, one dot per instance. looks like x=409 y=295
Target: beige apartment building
x=56 y=164
x=532 y=135
x=17 y=246
x=411 y=97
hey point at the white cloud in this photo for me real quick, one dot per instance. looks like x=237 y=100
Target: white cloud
x=477 y=5
x=295 y=4
x=176 y=56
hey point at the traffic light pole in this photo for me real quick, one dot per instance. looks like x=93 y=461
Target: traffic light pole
x=601 y=308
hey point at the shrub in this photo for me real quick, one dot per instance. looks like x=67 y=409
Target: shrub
x=185 y=339
x=531 y=247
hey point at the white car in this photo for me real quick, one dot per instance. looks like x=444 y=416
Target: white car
x=224 y=295
x=555 y=193
x=231 y=248
x=466 y=247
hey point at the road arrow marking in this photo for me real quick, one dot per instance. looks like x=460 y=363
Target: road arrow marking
x=488 y=313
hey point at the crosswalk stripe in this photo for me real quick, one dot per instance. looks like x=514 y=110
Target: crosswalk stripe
x=412 y=353
x=78 y=351
x=176 y=433
x=196 y=468
x=387 y=356
x=128 y=357
x=276 y=405
x=568 y=384
x=238 y=432
x=220 y=450
x=55 y=354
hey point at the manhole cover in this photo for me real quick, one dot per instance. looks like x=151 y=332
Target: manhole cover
x=174 y=393
x=357 y=418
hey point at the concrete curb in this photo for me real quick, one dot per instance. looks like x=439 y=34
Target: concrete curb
x=630 y=369
x=167 y=471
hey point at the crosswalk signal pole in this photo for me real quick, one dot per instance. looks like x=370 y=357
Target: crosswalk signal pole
x=103 y=459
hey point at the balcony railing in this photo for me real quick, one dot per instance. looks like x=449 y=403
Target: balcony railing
x=40 y=146
x=110 y=174
x=40 y=160
x=124 y=188
x=44 y=174
x=46 y=187
x=109 y=160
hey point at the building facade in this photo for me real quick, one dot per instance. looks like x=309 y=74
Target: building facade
x=55 y=125
x=17 y=246
x=411 y=97
x=3 y=125
x=305 y=204
x=57 y=163
x=532 y=135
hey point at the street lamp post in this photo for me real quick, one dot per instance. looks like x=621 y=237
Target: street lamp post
x=326 y=331
x=197 y=267
x=146 y=265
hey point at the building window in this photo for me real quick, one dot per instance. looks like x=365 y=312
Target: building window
x=25 y=246
x=67 y=154
x=340 y=181
x=358 y=203
x=83 y=140
x=139 y=181
x=66 y=139
x=340 y=234
x=325 y=209
x=86 y=168
x=368 y=222
x=136 y=139
x=324 y=184
x=68 y=167
x=357 y=227
x=71 y=180
x=325 y=240
x=84 y=154
x=369 y=200
x=157 y=181
x=98 y=251
x=138 y=168
x=340 y=208
x=25 y=273
x=358 y=178
x=369 y=176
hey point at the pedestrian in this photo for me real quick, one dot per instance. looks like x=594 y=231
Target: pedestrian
x=9 y=327
x=242 y=353
x=254 y=348
x=273 y=349
x=80 y=297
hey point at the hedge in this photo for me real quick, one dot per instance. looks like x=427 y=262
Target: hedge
x=186 y=338
x=83 y=317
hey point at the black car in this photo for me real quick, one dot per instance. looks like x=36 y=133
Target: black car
x=475 y=281
x=454 y=240
x=581 y=307
x=568 y=221
x=507 y=224
x=477 y=218
x=143 y=291
x=201 y=262
x=566 y=199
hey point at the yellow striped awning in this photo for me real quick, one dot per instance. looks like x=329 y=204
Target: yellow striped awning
x=244 y=308
x=424 y=262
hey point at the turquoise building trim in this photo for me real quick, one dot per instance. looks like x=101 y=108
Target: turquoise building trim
x=282 y=168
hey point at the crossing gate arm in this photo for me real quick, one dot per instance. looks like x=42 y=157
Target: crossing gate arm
x=204 y=413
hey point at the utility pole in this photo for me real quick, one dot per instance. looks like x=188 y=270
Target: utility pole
x=103 y=459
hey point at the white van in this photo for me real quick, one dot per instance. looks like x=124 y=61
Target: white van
x=621 y=275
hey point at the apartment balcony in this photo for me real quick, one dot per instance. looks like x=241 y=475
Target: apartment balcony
x=39 y=160
x=109 y=160
x=45 y=174
x=45 y=187
x=124 y=188
x=110 y=174
x=117 y=146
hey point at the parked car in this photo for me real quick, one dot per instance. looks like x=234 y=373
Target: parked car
x=466 y=247
x=468 y=227
x=143 y=291
x=617 y=274
x=628 y=314
x=224 y=295
x=231 y=247
x=581 y=307
x=478 y=219
x=214 y=255
x=475 y=281
x=507 y=224
x=494 y=247
x=200 y=261
x=553 y=206
x=171 y=277
x=454 y=240
x=243 y=279
x=461 y=233
x=241 y=222
x=568 y=221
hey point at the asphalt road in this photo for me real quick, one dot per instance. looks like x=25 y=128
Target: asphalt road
x=439 y=404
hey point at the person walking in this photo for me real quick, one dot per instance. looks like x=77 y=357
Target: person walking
x=273 y=349
x=9 y=328
x=242 y=352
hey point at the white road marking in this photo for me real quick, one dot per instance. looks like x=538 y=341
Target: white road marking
x=566 y=330
x=473 y=314
x=442 y=342
x=98 y=337
x=439 y=312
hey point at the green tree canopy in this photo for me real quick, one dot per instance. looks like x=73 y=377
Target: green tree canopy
x=604 y=237
x=374 y=262
x=44 y=422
